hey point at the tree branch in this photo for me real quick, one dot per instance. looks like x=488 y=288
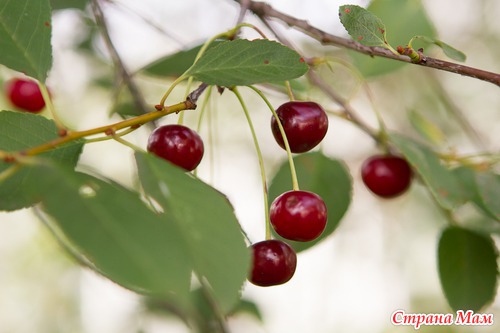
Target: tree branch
x=266 y=11
x=117 y=61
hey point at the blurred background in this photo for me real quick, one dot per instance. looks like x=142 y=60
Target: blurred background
x=381 y=258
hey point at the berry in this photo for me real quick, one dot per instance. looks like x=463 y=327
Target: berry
x=274 y=263
x=305 y=125
x=298 y=215
x=178 y=144
x=386 y=176
x=25 y=94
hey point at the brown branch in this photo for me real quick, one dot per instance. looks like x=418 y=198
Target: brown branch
x=117 y=61
x=266 y=11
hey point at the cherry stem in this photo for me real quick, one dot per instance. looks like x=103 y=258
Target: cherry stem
x=198 y=128
x=171 y=88
x=289 y=90
x=50 y=106
x=261 y=162
x=295 y=182
x=9 y=172
x=124 y=142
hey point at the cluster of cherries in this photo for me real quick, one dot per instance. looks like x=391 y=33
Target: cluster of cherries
x=294 y=215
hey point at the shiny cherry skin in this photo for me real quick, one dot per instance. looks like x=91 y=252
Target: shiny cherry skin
x=274 y=263
x=25 y=94
x=298 y=215
x=178 y=144
x=386 y=175
x=305 y=125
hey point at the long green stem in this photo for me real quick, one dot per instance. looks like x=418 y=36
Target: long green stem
x=295 y=182
x=50 y=106
x=172 y=86
x=261 y=161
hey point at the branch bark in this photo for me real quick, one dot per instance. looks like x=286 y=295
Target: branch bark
x=117 y=61
x=264 y=10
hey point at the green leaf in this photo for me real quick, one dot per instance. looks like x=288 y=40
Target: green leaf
x=19 y=131
x=488 y=193
x=467 y=268
x=116 y=231
x=206 y=220
x=363 y=26
x=175 y=64
x=449 y=50
x=25 y=32
x=328 y=178
x=440 y=180
x=66 y=4
x=403 y=20
x=426 y=128
x=244 y=62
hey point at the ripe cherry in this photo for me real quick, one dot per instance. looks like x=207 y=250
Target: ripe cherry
x=386 y=175
x=178 y=144
x=305 y=125
x=25 y=94
x=298 y=215
x=274 y=263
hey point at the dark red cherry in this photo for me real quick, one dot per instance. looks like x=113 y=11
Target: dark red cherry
x=298 y=215
x=305 y=125
x=274 y=263
x=178 y=144
x=25 y=94
x=386 y=175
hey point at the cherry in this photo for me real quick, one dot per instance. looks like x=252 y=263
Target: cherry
x=25 y=94
x=386 y=175
x=305 y=125
x=178 y=144
x=274 y=263
x=298 y=215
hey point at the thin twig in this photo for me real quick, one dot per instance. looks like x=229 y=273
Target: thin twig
x=243 y=10
x=262 y=9
x=350 y=114
x=117 y=61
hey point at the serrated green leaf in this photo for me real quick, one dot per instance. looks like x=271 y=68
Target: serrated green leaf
x=468 y=268
x=426 y=128
x=440 y=180
x=363 y=26
x=243 y=62
x=449 y=50
x=207 y=223
x=19 y=131
x=175 y=64
x=25 y=33
x=328 y=178
x=403 y=20
x=488 y=193
x=116 y=231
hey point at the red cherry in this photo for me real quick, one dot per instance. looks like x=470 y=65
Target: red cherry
x=298 y=215
x=274 y=263
x=305 y=125
x=25 y=94
x=178 y=144
x=386 y=176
